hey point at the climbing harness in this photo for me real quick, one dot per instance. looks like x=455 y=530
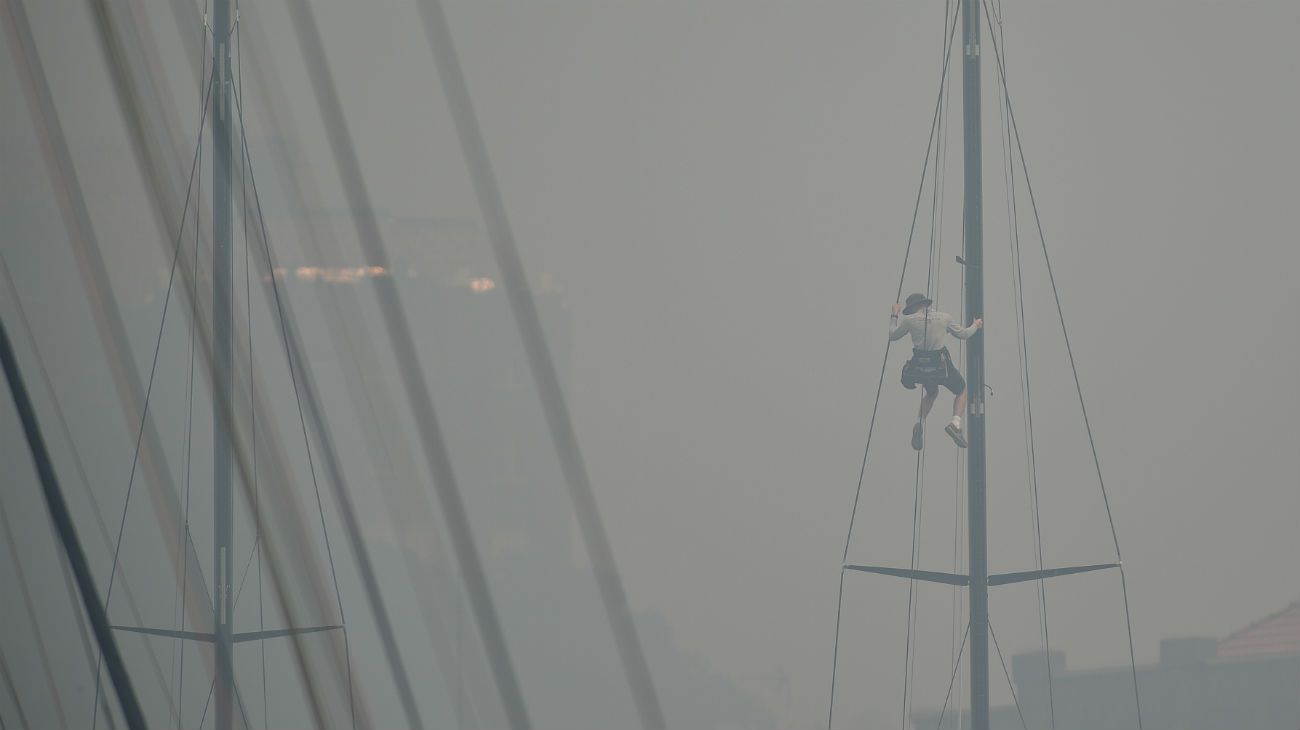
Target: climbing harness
x=930 y=369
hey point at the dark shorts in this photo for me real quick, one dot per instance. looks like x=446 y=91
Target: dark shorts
x=931 y=369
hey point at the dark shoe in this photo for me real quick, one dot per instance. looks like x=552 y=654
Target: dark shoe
x=918 y=437
x=958 y=437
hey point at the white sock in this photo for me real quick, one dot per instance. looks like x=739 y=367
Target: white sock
x=956 y=421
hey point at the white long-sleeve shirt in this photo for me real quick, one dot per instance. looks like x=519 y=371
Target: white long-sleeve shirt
x=927 y=328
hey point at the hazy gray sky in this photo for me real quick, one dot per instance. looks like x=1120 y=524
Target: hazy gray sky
x=722 y=193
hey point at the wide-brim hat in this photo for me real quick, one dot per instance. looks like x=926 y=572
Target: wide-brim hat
x=915 y=302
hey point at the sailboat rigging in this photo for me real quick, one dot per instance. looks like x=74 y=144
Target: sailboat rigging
x=977 y=579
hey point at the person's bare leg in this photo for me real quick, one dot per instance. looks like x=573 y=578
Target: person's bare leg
x=918 y=431
x=959 y=404
x=927 y=402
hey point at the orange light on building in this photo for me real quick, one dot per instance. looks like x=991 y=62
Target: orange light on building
x=482 y=284
x=336 y=274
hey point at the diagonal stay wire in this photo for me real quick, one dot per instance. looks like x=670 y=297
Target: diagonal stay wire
x=239 y=701
x=902 y=276
x=1010 y=684
x=932 y=271
x=189 y=397
x=909 y=651
x=90 y=265
x=141 y=111
x=252 y=400
x=372 y=586
x=1022 y=346
x=416 y=388
x=956 y=665
x=550 y=392
x=239 y=591
x=153 y=367
x=871 y=427
x=1078 y=386
x=303 y=385
x=408 y=508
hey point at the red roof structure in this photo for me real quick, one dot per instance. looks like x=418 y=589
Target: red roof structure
x=1276 y=634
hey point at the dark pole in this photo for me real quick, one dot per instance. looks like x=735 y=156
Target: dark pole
x=223 y=345
x=973 y=234
x=67 y=532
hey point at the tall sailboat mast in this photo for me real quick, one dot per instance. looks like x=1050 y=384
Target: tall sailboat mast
x=977 y=579
x=973 y=235
x=223 y=346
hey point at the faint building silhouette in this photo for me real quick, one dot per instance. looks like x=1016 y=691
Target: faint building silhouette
x=1249 y=680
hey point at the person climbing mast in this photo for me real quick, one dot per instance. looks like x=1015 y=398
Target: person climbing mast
x=931 y=365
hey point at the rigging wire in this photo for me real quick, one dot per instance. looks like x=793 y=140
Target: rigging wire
x=1026 y=390
x=90 y=264
x=345 y=505
x=918 y=492
x=358 y=354
x=137 y=105
x=153 y=369
x=1075 y=371
x=189 y=408
x=246 y=162
x=239 y=591
x=871 y=427
x=252 y=400
x=959 y=527
x=953 y=679
x=932 y=287
x=140 y=110
x=1010 y=684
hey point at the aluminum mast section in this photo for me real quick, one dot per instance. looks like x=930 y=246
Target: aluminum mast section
x=222 y=371
x=973 y=236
